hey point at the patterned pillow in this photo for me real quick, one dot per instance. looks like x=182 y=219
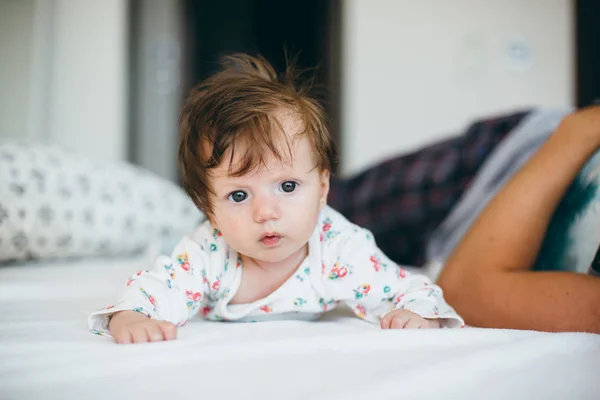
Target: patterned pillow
x=573 y=235
x=55 y=204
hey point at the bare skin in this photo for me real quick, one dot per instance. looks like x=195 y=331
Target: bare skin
x=133 y=327
x=404 y=319
x=488 y=278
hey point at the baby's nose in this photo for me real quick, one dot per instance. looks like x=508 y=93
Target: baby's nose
x=266 y=208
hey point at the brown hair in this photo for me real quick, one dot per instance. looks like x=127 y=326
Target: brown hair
x=237 y=105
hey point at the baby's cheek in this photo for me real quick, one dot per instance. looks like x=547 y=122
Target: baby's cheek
x=232 y=232
x=304 y=212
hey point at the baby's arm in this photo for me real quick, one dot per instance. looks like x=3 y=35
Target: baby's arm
x=157 y=301
x=380 y=291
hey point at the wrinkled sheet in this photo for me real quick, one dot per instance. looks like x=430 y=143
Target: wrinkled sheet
x=46 y=351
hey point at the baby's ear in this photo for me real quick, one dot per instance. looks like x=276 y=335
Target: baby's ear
x=213 y=222
x=325 y=175
x=211 y=218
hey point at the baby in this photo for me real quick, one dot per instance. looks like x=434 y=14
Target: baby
x=256 y=153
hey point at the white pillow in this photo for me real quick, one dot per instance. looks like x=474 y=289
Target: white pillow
x=56 y=204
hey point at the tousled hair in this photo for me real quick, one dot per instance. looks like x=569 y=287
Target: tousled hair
x=236 y=109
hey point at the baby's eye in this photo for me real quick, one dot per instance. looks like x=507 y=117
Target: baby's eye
x=288 y=186
x=238 y=196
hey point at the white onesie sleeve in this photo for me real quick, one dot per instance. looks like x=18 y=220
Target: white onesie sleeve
x=173 y=290
x=357 y=272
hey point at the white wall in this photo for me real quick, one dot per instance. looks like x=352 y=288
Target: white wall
x=417 y=71
x=63 y=75
x=16 y=50
x=89 y=67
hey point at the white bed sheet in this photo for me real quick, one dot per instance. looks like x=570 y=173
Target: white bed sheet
x=47 y=352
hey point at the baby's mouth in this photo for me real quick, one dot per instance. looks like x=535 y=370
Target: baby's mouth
x=270 y=239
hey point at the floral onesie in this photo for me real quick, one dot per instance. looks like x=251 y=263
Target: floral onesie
x=343 y=265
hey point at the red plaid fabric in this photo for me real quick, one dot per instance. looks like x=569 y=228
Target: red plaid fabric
x=402 y=200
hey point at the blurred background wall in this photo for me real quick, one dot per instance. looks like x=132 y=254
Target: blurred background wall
x=416 y=71
x=107 y=77
x=63 y=74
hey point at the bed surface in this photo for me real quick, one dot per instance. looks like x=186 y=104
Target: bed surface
x=46 y=351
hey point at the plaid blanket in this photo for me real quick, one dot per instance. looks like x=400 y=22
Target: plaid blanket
x=402 y=200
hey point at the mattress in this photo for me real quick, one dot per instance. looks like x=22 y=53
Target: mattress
x=47 y=352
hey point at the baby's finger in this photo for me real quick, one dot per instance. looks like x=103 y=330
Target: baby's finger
x=169 y=330
x=155 y=334
x=400 y=321
x=415 y=322
x=385 y=321
x=122 y=337
x=139 y=335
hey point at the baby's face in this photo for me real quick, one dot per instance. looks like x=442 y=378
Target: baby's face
x=270 y=213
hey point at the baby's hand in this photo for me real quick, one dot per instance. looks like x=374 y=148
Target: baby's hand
x=404 y=319
x=133 y=327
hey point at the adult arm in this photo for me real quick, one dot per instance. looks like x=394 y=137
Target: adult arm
x=488 y=278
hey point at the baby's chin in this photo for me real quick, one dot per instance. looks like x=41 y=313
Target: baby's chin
x=274 y=255
x=271 y=256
